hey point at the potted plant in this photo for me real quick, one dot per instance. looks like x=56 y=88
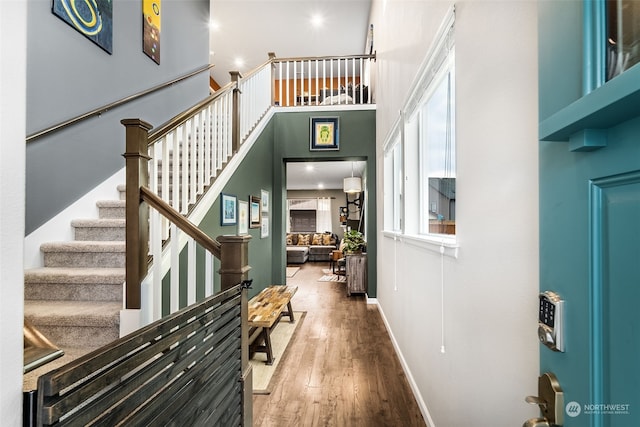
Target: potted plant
x=353 y=242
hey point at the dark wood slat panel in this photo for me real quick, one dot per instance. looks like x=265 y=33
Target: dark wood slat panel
x=170 y=370
x=224 y=313
x=94 y=361
x=179 y=393
x=174 y=366
x=218 y=392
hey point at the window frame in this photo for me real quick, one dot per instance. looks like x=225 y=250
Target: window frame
x=446 y=70
x=406 y=133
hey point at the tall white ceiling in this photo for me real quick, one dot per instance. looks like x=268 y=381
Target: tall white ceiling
x=249 y=29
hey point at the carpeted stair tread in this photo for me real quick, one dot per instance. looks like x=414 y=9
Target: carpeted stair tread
x=88 y=254
x=102 y=229
x=83 y=246
x=75 y=275
x=111 y=208
x=99 y=222
x=111 y=203
x=30 y=379
x=73 y=313
x=74 y=284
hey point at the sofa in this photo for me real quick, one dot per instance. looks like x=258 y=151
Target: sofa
x=303 y=247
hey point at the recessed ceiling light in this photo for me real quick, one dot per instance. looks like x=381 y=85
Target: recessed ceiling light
x=239 y=62
x=309 y=168
x=213 y=25
x=317 y=20
x=320 y=186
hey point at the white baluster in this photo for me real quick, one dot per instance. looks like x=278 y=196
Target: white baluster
x=191 y=271
x=174 y=287
x=184 y=186
x=175 y=174
x=191 y=179
x=156 y=251
x=208 y=274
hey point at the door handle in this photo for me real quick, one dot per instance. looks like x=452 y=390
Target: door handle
x=550 y=400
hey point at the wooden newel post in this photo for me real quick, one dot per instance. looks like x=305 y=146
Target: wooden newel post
x=234 y=260
x=137 y=214
x=235 y=115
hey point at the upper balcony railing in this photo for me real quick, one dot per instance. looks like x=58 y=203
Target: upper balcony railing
x=170 y=168
x=342 y=80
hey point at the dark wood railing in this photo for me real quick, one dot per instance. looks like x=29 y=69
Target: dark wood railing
x=137 y=221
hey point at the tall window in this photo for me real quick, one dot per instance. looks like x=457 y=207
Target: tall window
x=309 y=215
x=437 y=154
x=420 y=150
x=623 y=36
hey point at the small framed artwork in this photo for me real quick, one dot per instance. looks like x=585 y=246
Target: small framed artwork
x=264 y=227
x=264 y=201
x=324 y=134
x=243 y=217
x=228 y=209
x=151 y=29
x=255 y=211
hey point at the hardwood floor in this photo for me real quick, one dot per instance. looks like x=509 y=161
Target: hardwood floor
x=341 y=369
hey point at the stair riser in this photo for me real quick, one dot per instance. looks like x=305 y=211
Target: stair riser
x=101 y=234
x=71 y=336
x=84 y=259
x=111 y=212
x=73 y=292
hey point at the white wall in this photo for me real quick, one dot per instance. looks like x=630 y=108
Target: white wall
x=13 y=48
x=486 y=317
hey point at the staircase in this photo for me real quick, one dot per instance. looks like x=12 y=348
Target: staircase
x=76 y=298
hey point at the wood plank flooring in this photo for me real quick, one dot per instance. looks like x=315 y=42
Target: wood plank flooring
x=341 y=369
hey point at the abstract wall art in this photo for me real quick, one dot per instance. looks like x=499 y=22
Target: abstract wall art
x=92 y=18
x=151 y=14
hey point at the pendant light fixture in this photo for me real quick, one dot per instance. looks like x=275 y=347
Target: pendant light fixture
x=352 y=184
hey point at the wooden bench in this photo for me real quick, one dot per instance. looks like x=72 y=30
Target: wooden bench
x=265 y=311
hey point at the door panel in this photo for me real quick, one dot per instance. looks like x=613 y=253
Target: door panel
x=615 y=246
x=590 y=255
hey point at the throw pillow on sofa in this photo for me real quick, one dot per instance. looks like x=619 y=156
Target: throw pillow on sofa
x=326 y=239
x=289 y=240
x=317 y=239
x=303 y=239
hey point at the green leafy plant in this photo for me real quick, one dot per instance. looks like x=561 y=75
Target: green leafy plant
x=353 y=241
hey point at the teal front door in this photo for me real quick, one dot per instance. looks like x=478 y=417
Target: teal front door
x=589 y=166
x=590 y=256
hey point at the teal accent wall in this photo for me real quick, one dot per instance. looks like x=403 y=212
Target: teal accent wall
x=291 y=143
x=255 y=173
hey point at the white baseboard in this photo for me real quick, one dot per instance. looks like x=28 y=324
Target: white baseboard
x=58 y=228
x=414 y=387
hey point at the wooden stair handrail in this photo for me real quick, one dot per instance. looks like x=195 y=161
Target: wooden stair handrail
x=180 y=221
